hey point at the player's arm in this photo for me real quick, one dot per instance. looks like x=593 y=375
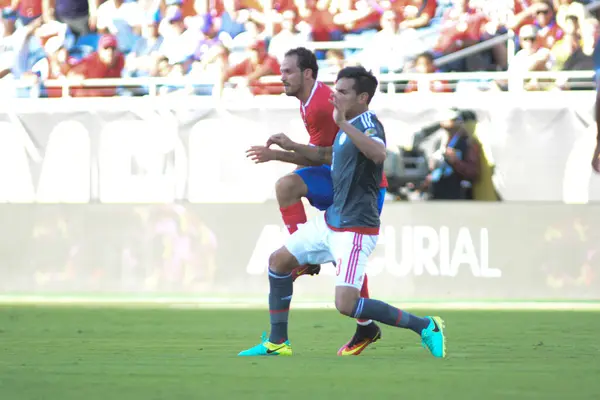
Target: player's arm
x=263 y=154
x=367 y=142
x=292 y=157
x=317 y=155
x=311 y=155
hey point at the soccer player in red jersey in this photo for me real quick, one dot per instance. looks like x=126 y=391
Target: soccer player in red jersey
x=313 y=177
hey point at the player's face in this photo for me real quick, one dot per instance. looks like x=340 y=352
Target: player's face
x=346 y=94
x=291 y=76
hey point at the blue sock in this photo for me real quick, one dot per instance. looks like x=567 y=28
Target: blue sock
x=386 y=314
x=280 y=297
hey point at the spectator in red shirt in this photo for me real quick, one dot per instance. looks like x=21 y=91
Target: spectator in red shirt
x=545 y=20
x=318 y=16
x=461 y=27
x=257 y=65
x=417 y=13
x=107 y=62
x=524 y=14
x=27 y=10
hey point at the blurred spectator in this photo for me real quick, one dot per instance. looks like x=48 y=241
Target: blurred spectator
x=577 y=60
x=239 y=45
x=415 y=34
x=524 y=14
x=195 y=14
x=55 y=65
x=424 y=65
x=16 y=48
x=318 y=15
x=187 y=7
x=461 y=27
x=532 y=56
x=334 y=62
x=182 y=43
x=563 y=48
x=26 y=10
x=143 y=58
x=548 y=30
x=210 y=39
x=289 y=37
x=569 y=8
x=202 y=20
x=257 y=65
x=107 y=62
x=231 y=22
x=357 y=16
x=79 y=15
x=122 y=19
x=417 y=13
x=385 y=52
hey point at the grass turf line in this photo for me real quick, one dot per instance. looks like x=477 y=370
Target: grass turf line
x=134 y=354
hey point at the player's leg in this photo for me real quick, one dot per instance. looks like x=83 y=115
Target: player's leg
x=352 y=251
x=281 y=264
x=367 y=331
x=304 y=246
x=315 y=184
x=289 y=190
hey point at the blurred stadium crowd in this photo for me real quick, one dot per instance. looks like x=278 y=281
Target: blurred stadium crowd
x=237 y=42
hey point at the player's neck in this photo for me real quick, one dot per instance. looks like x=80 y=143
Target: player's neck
x=305 y=95
x=354 y=114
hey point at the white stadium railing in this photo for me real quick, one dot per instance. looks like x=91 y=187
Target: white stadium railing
x=515 y=81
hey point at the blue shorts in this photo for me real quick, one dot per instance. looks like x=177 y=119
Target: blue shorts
x=320 y=187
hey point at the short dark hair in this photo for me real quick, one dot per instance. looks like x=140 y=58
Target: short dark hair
x=427 y=55
x=364 y=81
x=306 y=59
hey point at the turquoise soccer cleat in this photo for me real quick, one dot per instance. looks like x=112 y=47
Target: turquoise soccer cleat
x=433 y=337
x=266 y=348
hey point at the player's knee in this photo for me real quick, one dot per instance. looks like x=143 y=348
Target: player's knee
x=290 y=189
x=345 y=300
x=282 y=261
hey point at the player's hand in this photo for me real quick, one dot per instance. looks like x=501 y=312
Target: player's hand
x=281 y=140
x=260 y=154
x=339 y=110
x=596 y=159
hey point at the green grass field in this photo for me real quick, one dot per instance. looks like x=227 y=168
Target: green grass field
x=60 y=353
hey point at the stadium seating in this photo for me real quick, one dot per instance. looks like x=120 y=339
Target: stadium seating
x=483 y=35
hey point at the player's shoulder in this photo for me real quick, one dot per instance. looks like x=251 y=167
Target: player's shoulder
x=319 y=102
x=367 y=120
x=322 y=92
x=371 y=126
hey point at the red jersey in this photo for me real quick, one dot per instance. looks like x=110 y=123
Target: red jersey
x=30 y=8
x=317 y=114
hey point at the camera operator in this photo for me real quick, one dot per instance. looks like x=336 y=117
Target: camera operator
x=455 y=165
